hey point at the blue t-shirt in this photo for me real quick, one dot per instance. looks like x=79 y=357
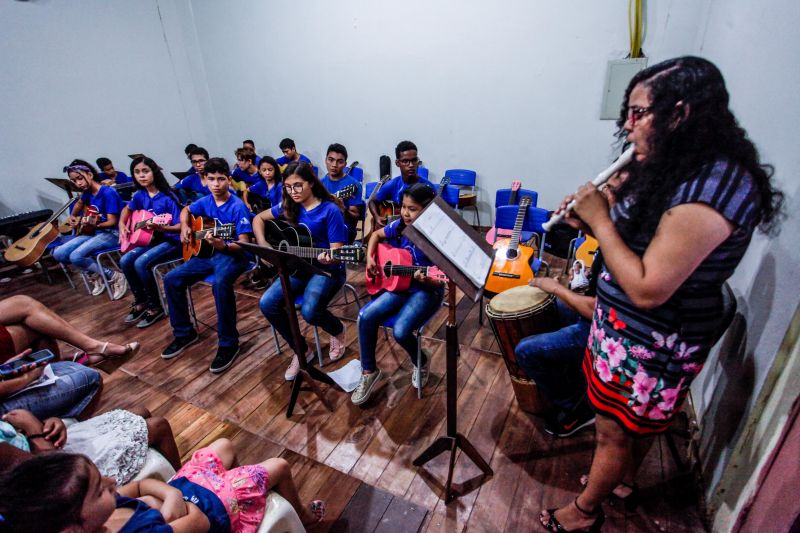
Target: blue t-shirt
x=121 y=177
x=205 y=500
x=144 y=518
x=393 y=189
x=274 y=194
x=106 y=201
x=418 y=258
x=326 y=224
x=233 y=211
x=283 y=160
x=160 y=204
x=336 y=186
x=240 y=175
x=193 y=182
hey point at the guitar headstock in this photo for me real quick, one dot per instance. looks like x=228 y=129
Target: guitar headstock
x=346 y=192
x=349 y=254
x=162 y=220
x=444 y=182
x=435 y=273
x=224 y=231
x=516 y=185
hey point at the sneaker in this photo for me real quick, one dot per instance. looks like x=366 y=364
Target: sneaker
x=134 y=314
x=150 y=317
x=119 y=285
x=294 y=366
x=96 y=285
x=365 y=385
x=226 y=355
x=178 y=345
x=424 y=371
x=337 y=346
x=565 y=423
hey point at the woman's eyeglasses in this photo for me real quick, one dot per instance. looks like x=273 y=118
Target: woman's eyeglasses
x=635 y=113
x=297 y=187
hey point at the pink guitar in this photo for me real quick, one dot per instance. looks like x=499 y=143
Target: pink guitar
x=396 y=270
x=138 y=234
x=495 y=234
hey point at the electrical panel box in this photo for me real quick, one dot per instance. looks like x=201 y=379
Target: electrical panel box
x=618 y=75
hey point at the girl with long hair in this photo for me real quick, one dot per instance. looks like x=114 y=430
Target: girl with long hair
x=683 y=219
x=153 y=194
x=307 y=202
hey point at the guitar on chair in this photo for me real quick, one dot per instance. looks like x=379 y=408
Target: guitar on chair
x=138 y=233
x=201 y=228
x=297 y=240
x=28 y=249
x=511 y=266
x=494 y=234
x=397 y=270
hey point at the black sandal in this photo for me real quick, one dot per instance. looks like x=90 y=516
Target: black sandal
x=555 y=526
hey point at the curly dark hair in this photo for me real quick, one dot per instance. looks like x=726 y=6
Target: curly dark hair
x=44 y=493
x=304 y=171
x=692 y=126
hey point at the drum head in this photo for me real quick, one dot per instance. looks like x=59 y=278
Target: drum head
x=518 y=299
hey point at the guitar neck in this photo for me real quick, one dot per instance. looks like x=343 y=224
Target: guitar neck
x=213 y=231
x=404 y=270
x=514 y=244
x=306 y=252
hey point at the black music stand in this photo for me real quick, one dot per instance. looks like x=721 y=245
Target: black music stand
x=181 y=175
x=64 y=184
x=286 y=262
x=134 y=156
x=466 y=259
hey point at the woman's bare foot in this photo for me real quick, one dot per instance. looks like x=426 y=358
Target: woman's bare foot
x=570 y=518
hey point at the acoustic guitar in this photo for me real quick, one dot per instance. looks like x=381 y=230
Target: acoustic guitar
x=397 y=270
x=28 y=249
x=87 y=224
x=511 y=266
x=494 y=234
x=297 y=240
x=587 y=250
x=138 y=233
x=201 y=228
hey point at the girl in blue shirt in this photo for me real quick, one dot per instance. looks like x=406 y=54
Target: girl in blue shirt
x=268 y=187
x=152 y=194
x=80 y=250
x=413 y=307
x=306 y=202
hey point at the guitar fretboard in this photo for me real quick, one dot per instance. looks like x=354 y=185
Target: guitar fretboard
x=404 y=270
x=304 y=252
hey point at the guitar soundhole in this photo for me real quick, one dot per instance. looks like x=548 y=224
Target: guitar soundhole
x=512 y=254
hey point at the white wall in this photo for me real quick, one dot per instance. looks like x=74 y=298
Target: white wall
x=757 y=47
x=88 y=78
x=511 y=89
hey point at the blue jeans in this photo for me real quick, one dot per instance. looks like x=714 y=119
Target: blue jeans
x=317 y=292
x=137 y=265
x=226 y=268
x=412 y=311
x=80 y=250
x=75 y=388
x=554 y=360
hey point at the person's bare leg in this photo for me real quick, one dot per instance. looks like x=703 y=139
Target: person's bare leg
x=92 y=407
x=225 y=450
x=281 y=481
x=612 y=459
x=641 y=447
x=34 y=315
x=140 y=411
x=160 y=437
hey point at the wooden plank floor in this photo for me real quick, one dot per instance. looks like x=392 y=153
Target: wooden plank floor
x=359 y=458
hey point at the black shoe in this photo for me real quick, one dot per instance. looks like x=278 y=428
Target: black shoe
x=134 y=315
x=226 y=355
x=565 y=424
x=179 y=344
x=151 y=317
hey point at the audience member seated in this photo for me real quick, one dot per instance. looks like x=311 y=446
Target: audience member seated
x=62 y=492
x=194 y=185
x=116 y=441
x=100 y=206
x=392 y=191
x=335 y=181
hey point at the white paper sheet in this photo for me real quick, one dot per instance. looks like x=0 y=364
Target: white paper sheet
x=47 y=378
x=448 y=238
x=348 y=376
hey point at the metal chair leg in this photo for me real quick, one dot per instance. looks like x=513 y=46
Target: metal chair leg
x=319 y=350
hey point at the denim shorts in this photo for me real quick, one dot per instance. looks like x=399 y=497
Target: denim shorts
x=75 y=388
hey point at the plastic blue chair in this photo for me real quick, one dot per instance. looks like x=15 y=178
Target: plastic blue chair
x=506 y=215
x=422 y=172
x=316 y=170
x=502 y=196
x=357 y=173
x=368 y=188
x=449 y=195
x=464 y=180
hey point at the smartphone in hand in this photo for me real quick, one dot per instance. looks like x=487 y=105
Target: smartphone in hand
x=25 y=364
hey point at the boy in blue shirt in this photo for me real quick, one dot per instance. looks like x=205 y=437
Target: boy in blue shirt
x=194 y=186
x=335 y=180
x=227 y=263
x=290 y=154
x=392 y=190
x=246 y=170
x=249 y=143
x=80 y=249
x=188 y=152
x=109 y=175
